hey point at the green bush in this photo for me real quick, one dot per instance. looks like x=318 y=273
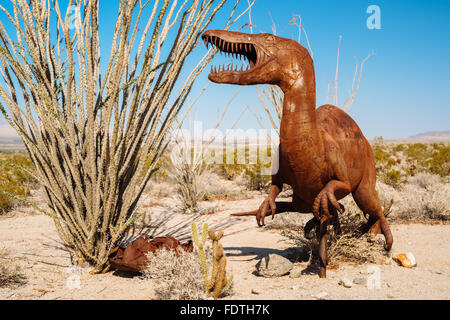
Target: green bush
x=394 y=178
x=14 y=180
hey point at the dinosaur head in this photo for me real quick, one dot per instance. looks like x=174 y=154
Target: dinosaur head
x=271 y=59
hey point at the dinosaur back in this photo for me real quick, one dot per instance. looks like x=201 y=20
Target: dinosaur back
x=341 y=130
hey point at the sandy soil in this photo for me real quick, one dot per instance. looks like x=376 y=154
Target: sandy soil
x=32 y=242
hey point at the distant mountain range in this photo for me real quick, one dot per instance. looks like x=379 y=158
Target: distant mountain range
x=434 y=134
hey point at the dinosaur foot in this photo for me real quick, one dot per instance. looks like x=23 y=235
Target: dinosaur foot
x=375 y=228
x=323 y=272
x=323 y=202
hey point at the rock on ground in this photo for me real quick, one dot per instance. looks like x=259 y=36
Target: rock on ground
x=273 y=265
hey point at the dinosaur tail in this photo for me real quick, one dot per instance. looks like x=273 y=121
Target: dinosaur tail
x=245 y=214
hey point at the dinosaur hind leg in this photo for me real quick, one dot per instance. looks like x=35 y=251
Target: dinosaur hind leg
x=367 y=200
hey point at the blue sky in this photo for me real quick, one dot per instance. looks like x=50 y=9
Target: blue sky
x=404 y=89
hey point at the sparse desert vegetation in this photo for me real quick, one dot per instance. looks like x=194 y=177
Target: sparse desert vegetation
x=418 y=185
x=16 y=179
x=421 y=195
x=104 y=157
x=11 y=275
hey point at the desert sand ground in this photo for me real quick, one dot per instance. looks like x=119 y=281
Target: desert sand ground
x=31 y=240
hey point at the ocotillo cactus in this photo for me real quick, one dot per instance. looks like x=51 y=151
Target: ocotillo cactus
x=218 y=282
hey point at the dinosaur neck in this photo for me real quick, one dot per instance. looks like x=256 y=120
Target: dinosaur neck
x=298 y=121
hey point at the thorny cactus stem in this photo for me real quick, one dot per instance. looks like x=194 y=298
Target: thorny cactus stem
x=201 y=248
x=218 y=283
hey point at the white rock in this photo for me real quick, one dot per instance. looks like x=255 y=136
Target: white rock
x=411 y=257
x=346 y=282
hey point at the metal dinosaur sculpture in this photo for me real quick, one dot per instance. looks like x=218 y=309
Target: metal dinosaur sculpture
x=323 y=154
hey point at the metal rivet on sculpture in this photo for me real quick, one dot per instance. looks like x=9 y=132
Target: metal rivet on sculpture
x=323 y=154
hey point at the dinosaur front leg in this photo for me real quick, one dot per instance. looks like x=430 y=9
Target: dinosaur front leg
x=268 y=205
x=327 y=197
x=326 y=200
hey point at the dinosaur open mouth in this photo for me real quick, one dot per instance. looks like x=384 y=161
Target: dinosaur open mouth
x=249 y=54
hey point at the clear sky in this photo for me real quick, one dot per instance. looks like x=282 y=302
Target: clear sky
x=404 y=88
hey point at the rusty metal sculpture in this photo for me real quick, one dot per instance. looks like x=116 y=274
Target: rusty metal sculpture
x=134 y=256
x=323 y=154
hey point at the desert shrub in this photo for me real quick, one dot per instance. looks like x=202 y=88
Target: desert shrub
x=424 y=180
x=393 y=178
x=252 y=171
x=230 y=171
x=255 y=180
x=176 y=276
x=10 y=273
x=215 y=187
x=415 y=203
x=418 y=151
x=288 y=220
x=350 y=245
x=398 y=148
x=186 y=169
x=161 y=174
x=380 y=153
x=15 y=179
x=440 y=160
x=433 y=158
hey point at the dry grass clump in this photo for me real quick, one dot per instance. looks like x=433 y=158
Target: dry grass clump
x=186 y=171
x=350 y=245
x=412 y=202
x=10 y=273
x=288 y=220
x=425 y=180
x=176 y=276
x=215 y=187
